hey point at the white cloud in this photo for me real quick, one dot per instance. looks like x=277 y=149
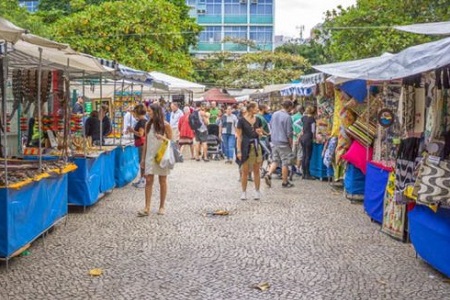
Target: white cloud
x=290 y=14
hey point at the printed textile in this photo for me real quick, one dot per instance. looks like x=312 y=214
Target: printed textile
x=394 y=214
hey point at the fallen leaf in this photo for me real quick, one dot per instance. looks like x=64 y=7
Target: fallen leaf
x=221 y=213
x=263 y=286
x=446 y=280
x=381 y=281
x=96 y=272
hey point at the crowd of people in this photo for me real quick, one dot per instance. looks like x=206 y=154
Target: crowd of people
x=249 y=133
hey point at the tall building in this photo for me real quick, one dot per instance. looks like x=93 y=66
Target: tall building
x=236 y=19
x=31 y=5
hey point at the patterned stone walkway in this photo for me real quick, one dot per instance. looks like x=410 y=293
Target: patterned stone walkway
x=307 y=242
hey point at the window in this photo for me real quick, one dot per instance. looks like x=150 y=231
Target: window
x=237 y=32
x=211 y=34
x=213 y=7
x=31 y=6
x=191 y=2
x=261 y=34
x=263 y=7
x=235 y=7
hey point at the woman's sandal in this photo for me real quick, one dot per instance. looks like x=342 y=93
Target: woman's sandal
x=142 y=213
x=161 y=211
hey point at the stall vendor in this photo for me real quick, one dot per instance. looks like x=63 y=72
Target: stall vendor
x=92 y=127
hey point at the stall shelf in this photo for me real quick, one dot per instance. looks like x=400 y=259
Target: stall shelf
x=126 y=166
x=430 y=236
x=93 y=178
x=375 y=185
x=354 y=182
x=29 y=209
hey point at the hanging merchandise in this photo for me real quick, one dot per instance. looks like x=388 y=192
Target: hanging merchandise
x=23 y=124
x=405 y=167
x=394 y=214
x=386 y=118
x=419 y=110
x=432 y=186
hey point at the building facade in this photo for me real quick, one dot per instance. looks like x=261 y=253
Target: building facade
x=233 y=19
x=31 y=6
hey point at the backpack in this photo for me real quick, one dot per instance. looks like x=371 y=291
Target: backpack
x=194 y=120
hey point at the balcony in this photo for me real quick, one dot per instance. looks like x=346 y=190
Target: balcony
x=208 y=47
x=235 y=47
x=261 y=20
x=209 y=19
x=236 y=19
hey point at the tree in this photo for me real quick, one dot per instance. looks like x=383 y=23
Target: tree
x=251 y=70
x=145 y=34
x=13 y=12
x=312 y=51
x=365 y=30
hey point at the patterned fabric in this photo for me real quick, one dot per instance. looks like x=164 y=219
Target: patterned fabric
x=433 y=183
x=329 y=153
x=419 y=110
x=338 y=104
x=405 y=167
x=362 y=132
x=408 y=106
x=393 y=213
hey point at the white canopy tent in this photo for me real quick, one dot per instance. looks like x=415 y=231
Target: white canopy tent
x=9 y=32
x=438 y=28
x=172 y=84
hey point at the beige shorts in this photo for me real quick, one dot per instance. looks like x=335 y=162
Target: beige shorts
x=252 y=157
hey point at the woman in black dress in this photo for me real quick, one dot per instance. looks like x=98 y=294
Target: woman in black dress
x=248 y=148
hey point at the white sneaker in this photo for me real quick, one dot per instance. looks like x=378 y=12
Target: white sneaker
x=244 y=196
x=140 y=183
x=257 y=195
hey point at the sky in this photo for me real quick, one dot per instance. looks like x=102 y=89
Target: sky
x=290 y=14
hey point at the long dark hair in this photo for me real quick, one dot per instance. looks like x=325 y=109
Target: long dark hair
x=157 y=120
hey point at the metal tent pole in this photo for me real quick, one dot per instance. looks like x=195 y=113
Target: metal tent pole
x=4 y=73
x=114 y=106
x=123 y=115
x=39 y=112
x=82 y=118
x=101 y=104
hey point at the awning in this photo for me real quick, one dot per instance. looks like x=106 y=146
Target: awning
x=411 y=61
x=439 y=28
x=174 y=84
x=124 y=72
x=9 y=32
x=298 y=89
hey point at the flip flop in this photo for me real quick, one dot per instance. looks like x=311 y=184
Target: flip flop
x=142 y=213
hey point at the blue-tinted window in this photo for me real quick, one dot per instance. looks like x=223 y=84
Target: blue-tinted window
x=211 y=34
x=235 y=7
x=31 y=6
x=261 y=34
x=213 y=7
x=191 y=2
x=237 y=32
x=263 y=7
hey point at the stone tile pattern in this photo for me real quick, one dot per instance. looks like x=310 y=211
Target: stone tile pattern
x=308 y=242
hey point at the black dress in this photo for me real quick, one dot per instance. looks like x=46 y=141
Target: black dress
x=249 y=137
x=306 y=141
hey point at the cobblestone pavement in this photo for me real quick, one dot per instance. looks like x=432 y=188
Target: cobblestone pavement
x=307 y=242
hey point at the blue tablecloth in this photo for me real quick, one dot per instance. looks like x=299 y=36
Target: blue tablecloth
x=354 y=180
x=93 y=177
x=375 y=186
x=430 y=236
x=316 y=166
x=28 y=212
x=126 y=165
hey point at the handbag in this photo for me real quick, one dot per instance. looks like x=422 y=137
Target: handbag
x=161 y=150
x=433 y=183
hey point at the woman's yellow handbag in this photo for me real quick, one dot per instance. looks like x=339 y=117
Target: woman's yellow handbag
x=162 y=149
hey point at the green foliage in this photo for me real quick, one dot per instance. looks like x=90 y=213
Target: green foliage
x=312 y=51
x=12 y=11
x=365 y=30
x=251 y=70
x=145 y=34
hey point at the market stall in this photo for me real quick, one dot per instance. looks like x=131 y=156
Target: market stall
x=411 y=144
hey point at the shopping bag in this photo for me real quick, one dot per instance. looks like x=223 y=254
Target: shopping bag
x=176 y=153
x=168 y=159
x=162 y=149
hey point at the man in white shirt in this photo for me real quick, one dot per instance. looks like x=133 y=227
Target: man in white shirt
x=128 y=120
x=175 y=116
